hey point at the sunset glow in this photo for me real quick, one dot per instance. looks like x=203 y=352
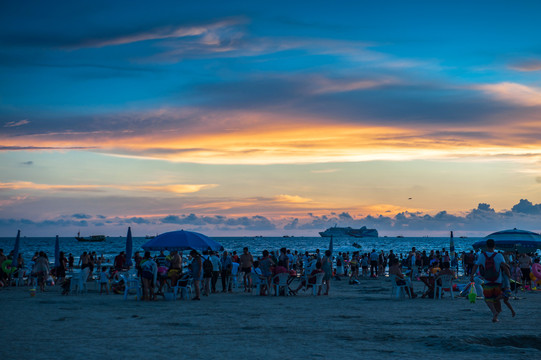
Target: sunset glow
x=236 y=119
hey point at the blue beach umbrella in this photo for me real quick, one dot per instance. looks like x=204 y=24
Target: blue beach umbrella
x=129 y=248
x=512 y=240
x=182 y=240
x=56 y=253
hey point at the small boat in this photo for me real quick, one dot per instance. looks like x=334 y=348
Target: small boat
x=150 y=237
x=92 y=238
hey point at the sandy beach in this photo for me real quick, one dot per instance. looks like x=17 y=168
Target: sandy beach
x=354 y=321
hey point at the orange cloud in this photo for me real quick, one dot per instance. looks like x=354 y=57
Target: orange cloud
x=259 y=137
x=177 y=188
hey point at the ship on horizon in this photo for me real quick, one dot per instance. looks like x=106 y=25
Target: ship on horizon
x=349 y=232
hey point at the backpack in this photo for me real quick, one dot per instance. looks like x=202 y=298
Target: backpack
x=490 y=273
x=338 y=261
x=207 y=265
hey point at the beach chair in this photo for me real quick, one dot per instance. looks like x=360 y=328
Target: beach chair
x=184 y=290
x=132 y=283
x=257 y=283
x=317 y=285
x=78 y=282
x=19 y=280
x=398 y=292
x=441 y=283
x=278 y=282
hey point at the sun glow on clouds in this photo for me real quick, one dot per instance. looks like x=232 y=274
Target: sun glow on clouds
x=176 y=189
x=513 y=93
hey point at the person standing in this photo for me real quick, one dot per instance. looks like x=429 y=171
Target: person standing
x=491 y=263
x=374 y=258
x=525 y=262
x=326 y=266
x=226 y=265
x=216 y=265
x=246 y=263
x=149 y=275
x=197 y=268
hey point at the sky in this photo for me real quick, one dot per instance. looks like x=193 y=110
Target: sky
x=252 y=118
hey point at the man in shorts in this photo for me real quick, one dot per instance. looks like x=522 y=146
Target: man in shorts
x=246 y=263
x=492 y=289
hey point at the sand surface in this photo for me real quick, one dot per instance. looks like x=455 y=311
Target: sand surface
x=354 y=321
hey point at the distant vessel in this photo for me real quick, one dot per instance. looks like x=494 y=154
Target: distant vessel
x=150 y=237
x=92 y=238
x=348 y=231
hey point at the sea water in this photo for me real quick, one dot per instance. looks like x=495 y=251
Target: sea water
x=114 y=245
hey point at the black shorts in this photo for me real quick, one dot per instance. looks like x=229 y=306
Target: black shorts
x=246 y=270
x=525 y=274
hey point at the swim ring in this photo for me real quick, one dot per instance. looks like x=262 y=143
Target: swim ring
x=7 y=268
x=536 y=270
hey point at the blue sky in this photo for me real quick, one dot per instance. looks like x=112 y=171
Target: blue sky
x=285 y=118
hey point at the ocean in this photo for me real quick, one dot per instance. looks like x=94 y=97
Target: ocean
x=113 y=245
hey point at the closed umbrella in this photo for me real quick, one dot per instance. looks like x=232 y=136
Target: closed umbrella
x=129 y=248
x=16 y=248
x=452 y=246
x=331 y=245
x=56 y=253
x=182 y=240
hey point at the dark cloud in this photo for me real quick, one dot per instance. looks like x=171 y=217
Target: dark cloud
x=526 y=207
x=524 y=214
x=81 y=216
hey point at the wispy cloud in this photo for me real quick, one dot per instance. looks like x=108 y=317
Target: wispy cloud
x=16 y=123
x=526 y=65
x=206 y=31
x=514 y=93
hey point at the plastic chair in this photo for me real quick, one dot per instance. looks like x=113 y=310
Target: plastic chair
x=280 y=281
x=19 y=280
x=185 y=290
x=441 y=283
x=257 y=283
x=131 y=283
x=318 y=285
x=78 y=283
x=398 y=292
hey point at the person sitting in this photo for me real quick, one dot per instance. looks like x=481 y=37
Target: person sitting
x=311 y=279
x=394 y=269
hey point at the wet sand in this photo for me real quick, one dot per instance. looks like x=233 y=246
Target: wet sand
x=354 y=321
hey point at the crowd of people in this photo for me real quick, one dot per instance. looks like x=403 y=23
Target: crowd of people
x=161 y=272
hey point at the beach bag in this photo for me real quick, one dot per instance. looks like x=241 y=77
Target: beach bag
x=472 y=296
x=490 y=273
x=207 y=266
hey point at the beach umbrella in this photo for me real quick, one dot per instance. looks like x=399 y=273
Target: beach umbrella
x=452 y=246
x=182 y=240
x=129 y=247
x=56 y=253
x=331 y=245
x=512 y=240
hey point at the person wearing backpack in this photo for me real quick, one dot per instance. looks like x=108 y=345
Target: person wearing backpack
x=489 y=262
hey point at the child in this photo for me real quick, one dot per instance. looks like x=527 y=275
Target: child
x=506 y=287
x=104 y=280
